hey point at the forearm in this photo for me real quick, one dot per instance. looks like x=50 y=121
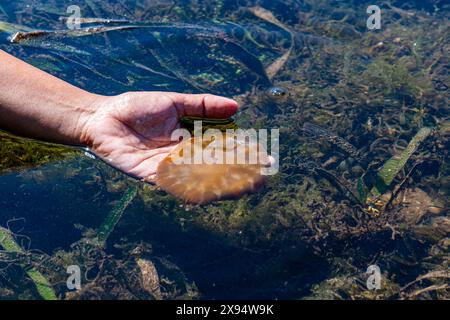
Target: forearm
x=35 y=104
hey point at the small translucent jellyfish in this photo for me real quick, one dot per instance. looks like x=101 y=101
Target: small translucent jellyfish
x=226 y=168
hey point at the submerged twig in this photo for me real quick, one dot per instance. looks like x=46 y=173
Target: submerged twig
x=23 y=36
x=445 y=274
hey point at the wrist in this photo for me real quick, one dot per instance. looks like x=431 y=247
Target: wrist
x=38 y=105
x=85 y=111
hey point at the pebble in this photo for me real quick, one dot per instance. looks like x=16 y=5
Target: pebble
x=278 y=92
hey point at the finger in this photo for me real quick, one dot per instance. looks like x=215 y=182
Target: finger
x=204 y=105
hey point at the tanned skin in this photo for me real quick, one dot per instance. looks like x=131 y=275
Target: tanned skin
x=130 y=131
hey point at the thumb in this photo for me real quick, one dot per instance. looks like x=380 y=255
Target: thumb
x=204 y=105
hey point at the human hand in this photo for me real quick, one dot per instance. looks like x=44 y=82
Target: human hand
x=132 y=131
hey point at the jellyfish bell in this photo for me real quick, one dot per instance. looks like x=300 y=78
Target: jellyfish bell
x=229 y=171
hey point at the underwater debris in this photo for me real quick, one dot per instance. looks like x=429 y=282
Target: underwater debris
x=23 y=36
x=150 y=278
x=43 y=287
x=87 y=20
x=433 y=275
x=29 y=34
x=352 y=287
x=415 y=204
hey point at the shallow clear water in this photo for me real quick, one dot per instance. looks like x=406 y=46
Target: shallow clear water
x=302 y=236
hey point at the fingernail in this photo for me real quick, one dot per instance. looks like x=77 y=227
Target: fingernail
x=231 y=101
x=226 y=100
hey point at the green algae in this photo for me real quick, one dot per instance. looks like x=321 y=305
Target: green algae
x=115 y=214
x=19 y=152
x=393 y=166
x=394 y=79
x=43 y=287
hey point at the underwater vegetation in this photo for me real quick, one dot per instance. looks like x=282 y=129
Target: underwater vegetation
x=364 y=166
x=22 y=153
x=43 y=287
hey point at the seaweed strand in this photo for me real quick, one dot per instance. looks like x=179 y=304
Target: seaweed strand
x=114 y=216
x=43 y=287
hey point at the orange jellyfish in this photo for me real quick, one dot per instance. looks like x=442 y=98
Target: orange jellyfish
x=225 y=168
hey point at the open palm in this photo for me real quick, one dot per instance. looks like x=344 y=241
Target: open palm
x=132 y=131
